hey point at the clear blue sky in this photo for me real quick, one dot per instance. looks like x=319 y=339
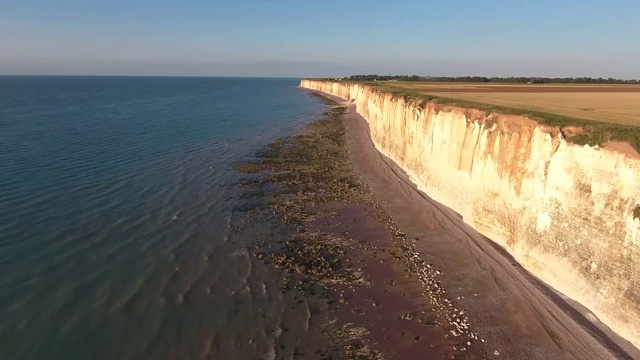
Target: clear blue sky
x=321 y=38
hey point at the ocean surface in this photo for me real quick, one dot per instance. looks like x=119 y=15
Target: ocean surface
x=117 y=207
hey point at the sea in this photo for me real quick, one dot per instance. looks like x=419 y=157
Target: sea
x=119 y=209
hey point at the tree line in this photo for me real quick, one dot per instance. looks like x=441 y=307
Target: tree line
x=483 y=79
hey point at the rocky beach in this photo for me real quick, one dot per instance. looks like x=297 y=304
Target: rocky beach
x=394 y=273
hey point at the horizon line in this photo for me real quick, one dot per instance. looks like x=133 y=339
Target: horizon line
x=173 y=76
x=307 y=77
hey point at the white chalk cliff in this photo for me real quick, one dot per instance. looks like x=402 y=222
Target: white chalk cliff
x=564 y=211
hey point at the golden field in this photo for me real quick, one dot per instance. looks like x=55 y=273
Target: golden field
x=619 y=104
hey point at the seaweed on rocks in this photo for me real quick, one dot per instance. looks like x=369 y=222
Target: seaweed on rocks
x=300 y=180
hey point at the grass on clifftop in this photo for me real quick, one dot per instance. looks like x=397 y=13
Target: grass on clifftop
x=595 y=132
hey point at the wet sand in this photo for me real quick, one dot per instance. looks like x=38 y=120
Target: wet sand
x=399 y=318
x=515 y=315
x=381 y=300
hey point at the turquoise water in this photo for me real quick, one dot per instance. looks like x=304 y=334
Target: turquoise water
x=117 y=203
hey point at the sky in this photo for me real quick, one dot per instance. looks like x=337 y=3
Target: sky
x=299 y=38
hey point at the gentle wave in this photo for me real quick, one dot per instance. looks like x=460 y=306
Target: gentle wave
x=118 y=201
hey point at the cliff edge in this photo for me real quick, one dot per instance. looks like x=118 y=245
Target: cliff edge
x=564 y=211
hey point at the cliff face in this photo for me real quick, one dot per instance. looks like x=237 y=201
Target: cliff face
x=565 y=212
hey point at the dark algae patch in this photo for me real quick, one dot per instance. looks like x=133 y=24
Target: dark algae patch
x=332 y=242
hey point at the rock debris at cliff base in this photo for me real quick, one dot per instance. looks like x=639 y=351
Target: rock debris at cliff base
x=384 y=301
x=494 y=179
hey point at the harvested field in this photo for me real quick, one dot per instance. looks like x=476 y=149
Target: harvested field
x=521 y=88
x=612 y=107
x=616 y=104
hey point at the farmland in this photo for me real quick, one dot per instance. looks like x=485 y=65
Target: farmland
x=614 y=104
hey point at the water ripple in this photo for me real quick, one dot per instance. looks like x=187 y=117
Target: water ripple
x=116 y=200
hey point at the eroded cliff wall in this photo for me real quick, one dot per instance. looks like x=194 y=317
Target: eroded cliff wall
x=564 y=211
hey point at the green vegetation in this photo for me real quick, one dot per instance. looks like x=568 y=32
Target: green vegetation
x=595 y=132
x=483 y=79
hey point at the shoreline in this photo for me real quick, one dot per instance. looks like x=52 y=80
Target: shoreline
x=530 y=317
x=380 y=302
x=413 y=279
